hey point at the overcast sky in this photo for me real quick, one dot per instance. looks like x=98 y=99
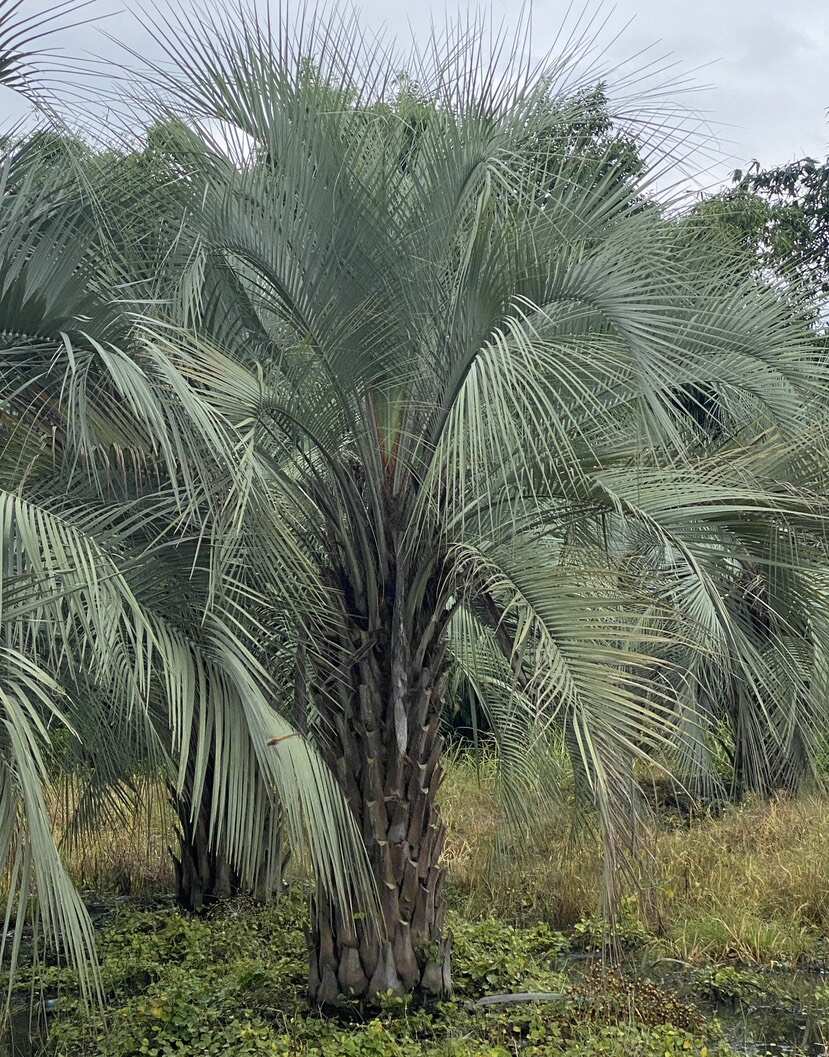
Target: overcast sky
x=767 y=63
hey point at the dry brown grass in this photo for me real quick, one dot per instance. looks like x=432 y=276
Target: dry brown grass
x=549 y=872
x=129 y=854
x=753 y=883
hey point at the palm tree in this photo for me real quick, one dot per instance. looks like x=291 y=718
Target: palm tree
x=123 y=643
x=455 y=404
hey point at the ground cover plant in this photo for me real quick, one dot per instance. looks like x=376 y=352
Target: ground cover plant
x=725 y=954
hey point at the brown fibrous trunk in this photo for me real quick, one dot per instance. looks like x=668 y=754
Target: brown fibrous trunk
x=203 y=875
x=385 y=747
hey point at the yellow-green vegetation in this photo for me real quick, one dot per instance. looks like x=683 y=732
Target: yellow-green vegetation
x=751 y=884
x=234 y=984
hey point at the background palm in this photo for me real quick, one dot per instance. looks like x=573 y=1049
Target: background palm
x=122 y=652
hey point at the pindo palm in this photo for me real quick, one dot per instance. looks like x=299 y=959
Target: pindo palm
x=416 y=382
x=460 y=363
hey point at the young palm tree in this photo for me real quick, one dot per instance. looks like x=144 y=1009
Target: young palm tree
x=454 y=364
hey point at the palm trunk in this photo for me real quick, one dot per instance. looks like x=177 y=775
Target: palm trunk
x=203 y=875
x=386 y=751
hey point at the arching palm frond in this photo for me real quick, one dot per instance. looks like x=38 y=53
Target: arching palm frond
x=121 y=593
x=21 y=34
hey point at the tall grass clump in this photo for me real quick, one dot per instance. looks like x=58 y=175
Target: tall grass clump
x=751 y=883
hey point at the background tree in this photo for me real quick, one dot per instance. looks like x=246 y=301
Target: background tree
x=778 y=218
x=795 y=236
x=735 y=220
